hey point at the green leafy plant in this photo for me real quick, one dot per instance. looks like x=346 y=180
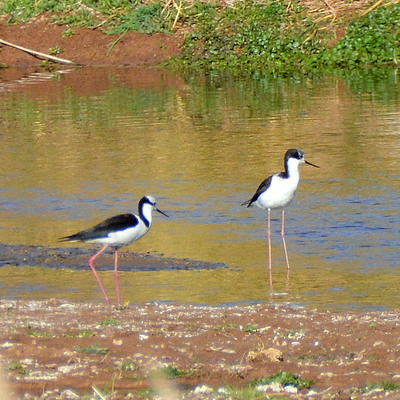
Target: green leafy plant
x=56 y=50
x=284 y=379
x=68 y=33
x=251 y=35
x=18 y=367
x=128 y=366
x=374 y=39
x=250 y=328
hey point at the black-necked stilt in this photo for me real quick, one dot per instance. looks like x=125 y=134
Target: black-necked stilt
x=277 y=191
x=118 y=231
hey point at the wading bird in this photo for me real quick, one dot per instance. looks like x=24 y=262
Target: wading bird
x=116 y=232
x=277 y=191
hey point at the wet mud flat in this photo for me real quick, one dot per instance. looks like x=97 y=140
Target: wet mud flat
x=58 y=350
x=77 y=258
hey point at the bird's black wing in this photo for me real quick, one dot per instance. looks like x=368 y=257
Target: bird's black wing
x=115 y=223
x=265 y=184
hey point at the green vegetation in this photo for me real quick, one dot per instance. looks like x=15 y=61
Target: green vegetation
x=250 y=328
x=82 y=334
x=227 y=326
x=251 y=35
x=128 y=366
x=383 y=385
x=373 y=39
x=109 y=322
x=245 y=36
x=295 y=334
x=146 y=393
x=68 y=33
x=18 y=367
x=172 y=372
x=86 y=333
x=284 y=379
x=282 y=36
x=116 y=16
x=35 y=333
x=246 y=393
x=92 y=349
x=55 y=50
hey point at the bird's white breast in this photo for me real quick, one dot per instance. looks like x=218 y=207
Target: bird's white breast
x=280 y=193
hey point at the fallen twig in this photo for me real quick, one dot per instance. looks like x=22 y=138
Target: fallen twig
x=375 y=5
x=38 y=54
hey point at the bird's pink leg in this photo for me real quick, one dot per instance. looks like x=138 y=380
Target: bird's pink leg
x=283 y=239
x=116 y=277
x=269 y=250
x=91 y=264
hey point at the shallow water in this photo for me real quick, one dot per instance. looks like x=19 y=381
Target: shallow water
x=84 y=145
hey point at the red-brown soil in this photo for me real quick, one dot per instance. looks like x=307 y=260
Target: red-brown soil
x=87 y=46
x=44 y=346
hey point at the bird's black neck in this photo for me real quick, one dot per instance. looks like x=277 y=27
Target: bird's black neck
x=142 y=204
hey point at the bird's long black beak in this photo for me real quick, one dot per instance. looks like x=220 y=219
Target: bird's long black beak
x=161 y=212
x=313 y=165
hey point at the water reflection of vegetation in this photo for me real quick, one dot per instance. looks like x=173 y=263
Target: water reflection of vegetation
x=224 y=286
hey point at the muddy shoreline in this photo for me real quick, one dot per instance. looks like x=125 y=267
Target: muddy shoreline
x=77 y=258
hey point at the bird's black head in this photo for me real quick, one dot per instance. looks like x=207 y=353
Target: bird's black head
x=150 y=200
x=294 y=153
x=297 y=154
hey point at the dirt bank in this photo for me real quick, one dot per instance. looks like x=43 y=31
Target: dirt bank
x=87 y=46
x=91 y=47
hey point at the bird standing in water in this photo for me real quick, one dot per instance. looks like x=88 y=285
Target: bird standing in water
x=277 y=191
x=116 y=232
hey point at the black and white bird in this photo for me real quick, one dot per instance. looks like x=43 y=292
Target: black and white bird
x=116 y=232
x=277 y=191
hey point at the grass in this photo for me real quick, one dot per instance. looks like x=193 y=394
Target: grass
x=382 y=385
x=112 y=17
x=246 y=393
x=172 y=372
x=40 y=334
x=92 y=349
x=82 y=334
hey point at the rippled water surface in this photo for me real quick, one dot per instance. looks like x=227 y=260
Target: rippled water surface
x=81 y=146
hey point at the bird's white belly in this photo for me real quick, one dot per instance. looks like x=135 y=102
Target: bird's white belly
x=279 y=194
x=125 y=237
